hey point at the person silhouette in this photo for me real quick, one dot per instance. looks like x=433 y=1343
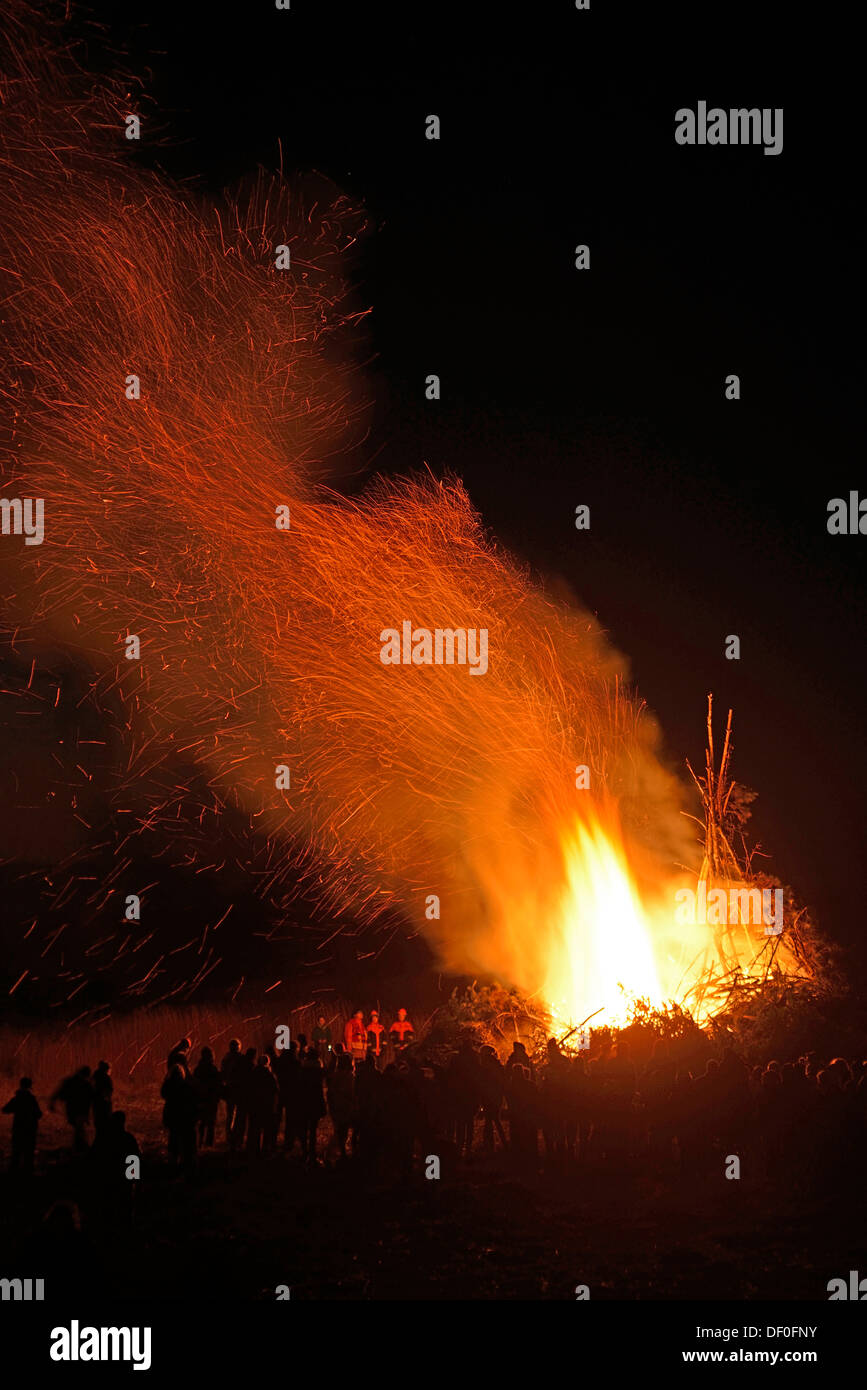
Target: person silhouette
x=523 y=1115
x=26 y=1114
x=180 y=1053
x=264 y=1098
x=491 y=1088
x=103 y=1089
x=464 y=1081
x=321 y=1038
x=246 y=1070
x=519 y=1057
x=112 y=1150
x=179 y=1118
x=312 y=1099
x=76 y=1094
x=340 y=1101
x=288 y=1070
x=208 y=1087
x=230 y=1069
x=554 y=1102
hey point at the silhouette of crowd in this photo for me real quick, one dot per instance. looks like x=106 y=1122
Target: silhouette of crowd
x=390 y=1106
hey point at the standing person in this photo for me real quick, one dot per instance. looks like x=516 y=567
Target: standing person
x=555 y=1100
x=208 y=1087
x=519 y=1057
x=367 y=1113
x=264 y=1095
x=103 y=1090
x=179 y=1118
x=376 y=1039
x=270 y=1142
x=355 y=1037
x=397 y=1124
x=491 y=1089
x=334 y=1057
x=401 y=1032
x=180 y=1053
x=113 y=1148
x=523 y=1115
x=26 y=1114
x=246 y=1070
x=312 y=1100
x=288 y=1070
x=76 y=1093
x=230 y=1068
x=321 y=1038
x=341 y=1101
x=464 y=1079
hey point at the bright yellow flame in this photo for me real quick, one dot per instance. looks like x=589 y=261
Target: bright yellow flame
x=607 y=949
x=602 y=952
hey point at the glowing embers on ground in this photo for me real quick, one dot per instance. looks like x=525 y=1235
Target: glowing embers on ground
x=601 y=947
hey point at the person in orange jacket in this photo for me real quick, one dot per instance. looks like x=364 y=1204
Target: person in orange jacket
x=355 y=1037
x=401 y=1032
x=376 y=1039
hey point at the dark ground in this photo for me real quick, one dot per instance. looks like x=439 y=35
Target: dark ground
x=480 y=1232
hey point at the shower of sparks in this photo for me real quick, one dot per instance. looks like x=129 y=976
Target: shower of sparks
x=261 y=646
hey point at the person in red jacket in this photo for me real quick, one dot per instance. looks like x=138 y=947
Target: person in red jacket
x=355 y=1037
x=401 y=1032
x=376 y=1039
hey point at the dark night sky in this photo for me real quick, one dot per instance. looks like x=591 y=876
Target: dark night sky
x=708 y=516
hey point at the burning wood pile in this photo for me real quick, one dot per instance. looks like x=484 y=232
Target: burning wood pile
x=747 y=954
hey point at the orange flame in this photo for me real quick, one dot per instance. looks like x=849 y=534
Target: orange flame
x=601 y=949
x=611 y=945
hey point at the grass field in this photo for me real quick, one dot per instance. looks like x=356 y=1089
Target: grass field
x=136 y=1044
